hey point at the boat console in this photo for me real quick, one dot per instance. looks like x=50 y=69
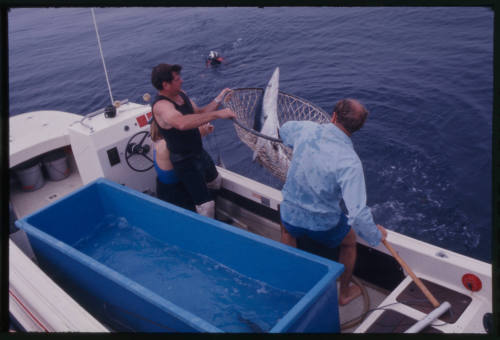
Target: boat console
x=118 y=148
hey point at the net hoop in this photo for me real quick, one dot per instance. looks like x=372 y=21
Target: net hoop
x=246 y=102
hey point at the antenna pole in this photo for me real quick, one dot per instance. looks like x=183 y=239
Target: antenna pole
x=102 y=56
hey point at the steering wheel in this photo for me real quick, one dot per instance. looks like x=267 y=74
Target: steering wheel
x=136 y=152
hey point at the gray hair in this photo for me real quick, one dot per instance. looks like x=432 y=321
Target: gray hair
x=347 y=115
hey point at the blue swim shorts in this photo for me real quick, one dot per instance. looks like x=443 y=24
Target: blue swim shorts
x=331 y=237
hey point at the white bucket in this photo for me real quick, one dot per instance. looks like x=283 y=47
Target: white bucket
x=56 y=165
x=30 y=176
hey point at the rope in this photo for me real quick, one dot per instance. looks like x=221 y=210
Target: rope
x=366 y=306
x=102 y=56
x=257 y=133
x=213 y=140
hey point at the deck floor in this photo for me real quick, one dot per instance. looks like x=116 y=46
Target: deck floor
x=354 y=309
x=24 y=203
x=253 y=223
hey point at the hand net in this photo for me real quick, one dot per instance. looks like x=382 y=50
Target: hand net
x=246 y=102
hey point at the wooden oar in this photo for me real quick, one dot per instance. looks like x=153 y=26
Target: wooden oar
x=417 y=281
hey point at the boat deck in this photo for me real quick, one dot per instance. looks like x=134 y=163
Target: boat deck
x=349 y=314
x=24 y=203
x=387 y=311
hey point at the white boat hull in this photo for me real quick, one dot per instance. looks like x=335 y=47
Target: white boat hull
x=94 y=147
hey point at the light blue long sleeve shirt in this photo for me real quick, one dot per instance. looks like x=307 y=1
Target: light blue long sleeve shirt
x=324 y=169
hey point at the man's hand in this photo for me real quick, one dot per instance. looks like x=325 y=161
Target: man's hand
x=221 y=95
x=226 y=113
x=382 y=231
x=206 y=129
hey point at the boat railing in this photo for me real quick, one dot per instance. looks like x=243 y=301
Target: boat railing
x=117 y=104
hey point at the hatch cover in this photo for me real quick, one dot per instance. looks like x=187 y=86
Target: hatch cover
x=413 y=297
x=394 y=322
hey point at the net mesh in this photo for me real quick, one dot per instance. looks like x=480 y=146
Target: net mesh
x=246 y=102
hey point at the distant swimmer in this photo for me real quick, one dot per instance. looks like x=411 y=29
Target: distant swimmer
x=214 y=58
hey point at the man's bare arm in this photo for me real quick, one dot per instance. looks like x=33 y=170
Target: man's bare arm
x=170 y=117
x=214 y=104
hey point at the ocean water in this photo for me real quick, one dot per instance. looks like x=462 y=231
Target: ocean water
x=425 y=75
x=202 y=286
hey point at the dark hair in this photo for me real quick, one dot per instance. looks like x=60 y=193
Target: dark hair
x=347 y=115
x=163 y=72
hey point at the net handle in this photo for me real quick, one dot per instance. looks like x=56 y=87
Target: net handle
x=258 y=134
x=237 y=122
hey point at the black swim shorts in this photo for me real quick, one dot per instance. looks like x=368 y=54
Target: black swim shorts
x=195 y=172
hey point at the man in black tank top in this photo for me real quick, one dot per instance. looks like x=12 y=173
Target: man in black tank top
x=178 y=118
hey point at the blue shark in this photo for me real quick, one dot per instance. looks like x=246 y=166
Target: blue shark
x=267 y=123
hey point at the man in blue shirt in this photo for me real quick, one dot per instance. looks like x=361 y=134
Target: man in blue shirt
x=324 y=170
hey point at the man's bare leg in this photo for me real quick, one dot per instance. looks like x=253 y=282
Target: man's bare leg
x=347 y=257
x=286 y=238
